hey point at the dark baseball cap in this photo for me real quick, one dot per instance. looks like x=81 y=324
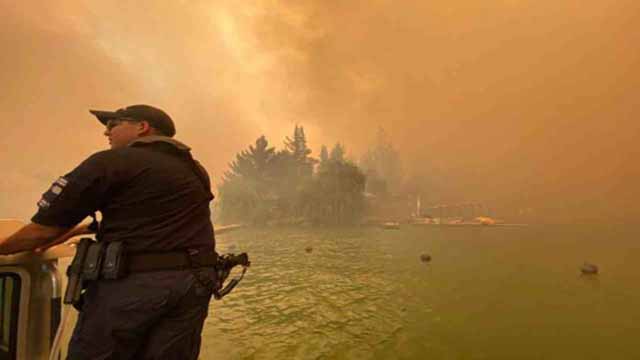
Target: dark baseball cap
x=154 y=116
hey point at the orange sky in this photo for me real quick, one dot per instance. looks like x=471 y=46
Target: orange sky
x=519 y=103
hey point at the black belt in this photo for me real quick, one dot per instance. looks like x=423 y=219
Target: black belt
x=177 y=260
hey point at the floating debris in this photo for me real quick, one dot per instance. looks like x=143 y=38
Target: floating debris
x=425 y=258
x=227 y=228
x=589 y=269
x=308 y=249
x=391 y=225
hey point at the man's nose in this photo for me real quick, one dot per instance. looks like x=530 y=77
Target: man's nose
x=106 y=132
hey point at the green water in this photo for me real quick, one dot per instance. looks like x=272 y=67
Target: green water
x=488 y=293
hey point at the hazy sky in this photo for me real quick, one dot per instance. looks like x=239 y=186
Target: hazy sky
x=521 y=102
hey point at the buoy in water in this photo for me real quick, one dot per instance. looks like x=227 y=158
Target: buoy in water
x=589 y=269
x=308 y=249
x=425 y=258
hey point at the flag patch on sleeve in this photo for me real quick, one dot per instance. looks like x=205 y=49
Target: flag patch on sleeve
x=52 y=193
x=56 y=189
x=43 y=204
x=62 y=182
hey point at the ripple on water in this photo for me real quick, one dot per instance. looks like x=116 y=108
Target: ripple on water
x=306 y=304
x=364 y=294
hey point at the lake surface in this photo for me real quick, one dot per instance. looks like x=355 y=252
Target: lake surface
x=488 y=293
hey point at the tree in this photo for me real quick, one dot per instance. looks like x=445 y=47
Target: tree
x=336 y=194
x=299 y=152
x=382 y=166
x=324 y=154
x=246 y=189
x=337 y=153
x=252 y=163
x=297 y=145
x=263 y=184
x=295 y=169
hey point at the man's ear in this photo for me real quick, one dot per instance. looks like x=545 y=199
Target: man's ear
x=144 y=128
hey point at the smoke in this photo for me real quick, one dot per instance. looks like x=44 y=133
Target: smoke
x=519 y=103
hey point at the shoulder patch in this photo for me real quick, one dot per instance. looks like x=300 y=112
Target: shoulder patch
x=62 y=181
x=43 y=204
x=56 y=189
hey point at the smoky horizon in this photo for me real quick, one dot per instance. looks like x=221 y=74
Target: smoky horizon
x=524 y=105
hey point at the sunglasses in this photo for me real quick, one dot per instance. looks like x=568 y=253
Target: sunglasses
x=115 y=122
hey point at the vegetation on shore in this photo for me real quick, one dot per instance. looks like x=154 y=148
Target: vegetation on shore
x=268 y=186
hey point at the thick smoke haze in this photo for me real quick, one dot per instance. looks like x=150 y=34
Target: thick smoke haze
x=521 y=104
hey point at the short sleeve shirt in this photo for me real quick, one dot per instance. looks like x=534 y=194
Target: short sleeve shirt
x=152 y=195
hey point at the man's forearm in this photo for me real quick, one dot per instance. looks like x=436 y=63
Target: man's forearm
x=82 y=229
x=30 y=237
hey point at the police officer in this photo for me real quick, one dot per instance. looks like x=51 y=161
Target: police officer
x=154 y=198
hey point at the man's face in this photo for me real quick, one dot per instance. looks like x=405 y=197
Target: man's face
x=122 y=131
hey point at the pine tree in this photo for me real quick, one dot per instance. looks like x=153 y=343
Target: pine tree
x=324 y=154
x=382 y=166
x=252 y=163
x=337 y=153
x=298 y=145
x=299 y=152
x=246 y=188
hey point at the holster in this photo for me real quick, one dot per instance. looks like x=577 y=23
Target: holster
x=74 y=272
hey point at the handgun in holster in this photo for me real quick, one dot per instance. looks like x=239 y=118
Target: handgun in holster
x=86 y=266
x=74 y=272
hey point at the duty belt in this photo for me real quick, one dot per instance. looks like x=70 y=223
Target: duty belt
x=109 y=261
x=192 y=259
x=177 y=260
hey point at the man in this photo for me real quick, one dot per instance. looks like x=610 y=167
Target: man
x=154 y=198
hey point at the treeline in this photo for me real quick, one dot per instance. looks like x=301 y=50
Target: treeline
x=264 y=185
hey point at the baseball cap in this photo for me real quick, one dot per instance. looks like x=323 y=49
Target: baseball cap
x=154 y=116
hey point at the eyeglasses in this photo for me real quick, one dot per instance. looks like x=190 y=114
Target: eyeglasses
x=115 y=122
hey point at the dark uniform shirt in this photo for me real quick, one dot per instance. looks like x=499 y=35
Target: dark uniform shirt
x=152 y=195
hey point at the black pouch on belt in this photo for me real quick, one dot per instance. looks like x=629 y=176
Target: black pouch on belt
x=114 y=264
x=93 y=261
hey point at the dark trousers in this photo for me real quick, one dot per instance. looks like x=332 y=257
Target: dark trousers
x=155 y=315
